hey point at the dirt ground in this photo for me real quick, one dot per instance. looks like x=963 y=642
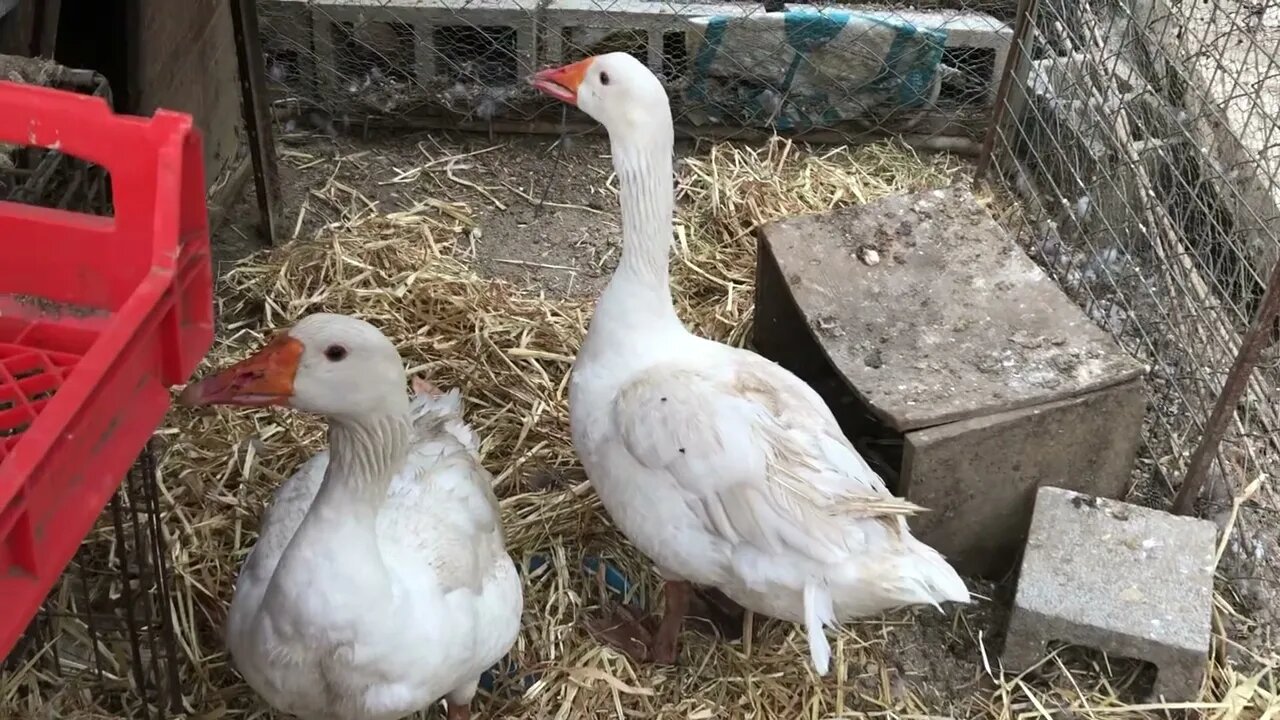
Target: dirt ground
x=568 y=245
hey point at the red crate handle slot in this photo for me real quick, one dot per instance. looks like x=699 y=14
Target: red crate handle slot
x=84 y=126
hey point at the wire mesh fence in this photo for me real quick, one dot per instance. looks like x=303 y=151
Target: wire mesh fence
x=105 y=636
x=730 y=67
x=1137 y=137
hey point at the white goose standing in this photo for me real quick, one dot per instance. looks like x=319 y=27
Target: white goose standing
x=380 y=581
x=722 y=467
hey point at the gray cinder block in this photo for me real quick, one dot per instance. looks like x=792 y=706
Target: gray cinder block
x=1127 y=580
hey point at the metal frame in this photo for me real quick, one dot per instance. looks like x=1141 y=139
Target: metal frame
x=120 y=603
x=257 y=115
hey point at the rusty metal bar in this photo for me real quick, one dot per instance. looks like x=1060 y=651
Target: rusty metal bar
x=1259 y=335
x=257 y=116
x=1021 y=28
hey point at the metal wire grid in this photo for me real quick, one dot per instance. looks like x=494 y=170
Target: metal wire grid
x=106 y=632
x=1137 y=142
x=366 y=67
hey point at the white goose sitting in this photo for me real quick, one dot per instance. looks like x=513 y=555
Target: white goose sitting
x=722 y=467
x=380 y=581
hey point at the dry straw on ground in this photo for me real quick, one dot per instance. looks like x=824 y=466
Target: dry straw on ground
x=510 y=350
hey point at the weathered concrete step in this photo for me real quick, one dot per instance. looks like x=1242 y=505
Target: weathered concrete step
x=920 y=319
x=1130 y=581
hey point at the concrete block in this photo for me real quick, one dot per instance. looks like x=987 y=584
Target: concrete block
x=760 y=54
x=286 y=39
x=669 y=38
x=923 y=325
x=427 y=18
x=1127 y=580
x=1231 y=116
x=579 y=28
x=980 y=494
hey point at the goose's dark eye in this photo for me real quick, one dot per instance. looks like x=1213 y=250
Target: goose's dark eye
x=604 y=78
x=335 y=352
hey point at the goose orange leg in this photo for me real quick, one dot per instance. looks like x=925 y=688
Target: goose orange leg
x=666 y=642
x=422 y=386
x=636 y=635
x=724 y=616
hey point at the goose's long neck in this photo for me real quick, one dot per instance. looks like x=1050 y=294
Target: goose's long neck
x=364 y=455
x=645 y=177
x=338 y=537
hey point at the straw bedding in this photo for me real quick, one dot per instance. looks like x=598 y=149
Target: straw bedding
x=510 y=349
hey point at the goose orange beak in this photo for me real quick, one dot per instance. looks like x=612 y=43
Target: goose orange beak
x=562 y=83
x=261 y=380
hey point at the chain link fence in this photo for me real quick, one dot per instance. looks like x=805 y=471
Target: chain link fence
x=1138 y=141
x=730 y=67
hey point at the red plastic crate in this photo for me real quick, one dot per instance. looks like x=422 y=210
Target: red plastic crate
x=98 y=316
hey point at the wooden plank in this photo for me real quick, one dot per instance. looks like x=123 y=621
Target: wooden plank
x=959 y=129
x=44 y=42
x=540 y=126
x=186 y=61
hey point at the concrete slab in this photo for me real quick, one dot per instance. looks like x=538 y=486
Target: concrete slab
x=426 y=17
x=932 y=313
x=979 y=477
x=1127 y=580
x=939 y=344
